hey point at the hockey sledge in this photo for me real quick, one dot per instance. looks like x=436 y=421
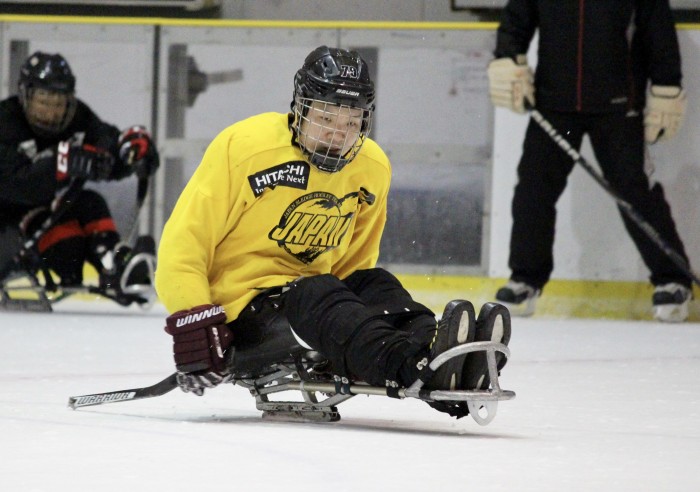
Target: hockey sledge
x=291 y=382
x=322 y=393
x=318 y=392
x=23 y=289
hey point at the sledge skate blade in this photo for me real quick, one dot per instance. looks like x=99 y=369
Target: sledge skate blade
x=297 y=412
x=8 y=304
x=286 y=379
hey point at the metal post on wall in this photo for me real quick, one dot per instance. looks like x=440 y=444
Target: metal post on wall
x=19 y=52
x=148 y=224
x=185 y=83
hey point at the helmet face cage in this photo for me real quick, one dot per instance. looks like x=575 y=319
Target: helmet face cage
x=47 y=93
x=330 y=135
x=333 y=105
x=48 y=112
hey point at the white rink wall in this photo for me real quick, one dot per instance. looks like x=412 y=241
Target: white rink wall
x=434 y=120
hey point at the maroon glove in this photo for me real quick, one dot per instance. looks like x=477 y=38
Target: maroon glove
x=200 y=337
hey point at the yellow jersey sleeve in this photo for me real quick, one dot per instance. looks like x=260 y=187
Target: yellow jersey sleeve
x=193 y=231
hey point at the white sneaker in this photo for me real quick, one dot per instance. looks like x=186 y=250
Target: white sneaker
x=518 y=297
x=670 y=302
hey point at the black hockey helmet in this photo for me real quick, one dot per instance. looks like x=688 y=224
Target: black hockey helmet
x=339 y=78
x=50 y=72
x=51 y=75
x=336 y=76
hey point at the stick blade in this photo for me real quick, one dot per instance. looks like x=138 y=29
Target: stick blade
x=100 y=398
x=165 y=386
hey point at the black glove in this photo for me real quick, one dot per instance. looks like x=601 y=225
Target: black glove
x=200 y=338
x=137 y=151
x=82 y=161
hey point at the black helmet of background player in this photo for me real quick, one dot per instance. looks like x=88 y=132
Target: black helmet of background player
x=332 y=106
x=47 y=93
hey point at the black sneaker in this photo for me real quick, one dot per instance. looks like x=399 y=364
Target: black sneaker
x=492 y=325
x=670 y=302
x=456 y=326
x=518 y=297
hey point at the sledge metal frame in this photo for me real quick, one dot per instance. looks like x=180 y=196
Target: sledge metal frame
x=321 y=394
x=40 y=302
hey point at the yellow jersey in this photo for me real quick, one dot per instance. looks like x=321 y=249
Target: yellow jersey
x=255 y=214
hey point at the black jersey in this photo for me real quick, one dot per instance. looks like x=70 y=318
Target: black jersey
x=26 y=183
x=594 y=55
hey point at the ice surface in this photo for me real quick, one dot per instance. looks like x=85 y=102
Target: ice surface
x=601 y=405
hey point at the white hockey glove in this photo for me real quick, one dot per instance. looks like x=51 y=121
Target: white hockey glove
x=664 y=112
x=511 y=84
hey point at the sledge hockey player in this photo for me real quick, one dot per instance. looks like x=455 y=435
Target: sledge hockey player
x=49 y=141
x=282 y=220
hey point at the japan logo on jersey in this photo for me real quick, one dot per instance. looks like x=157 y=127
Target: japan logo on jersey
x=317 y=222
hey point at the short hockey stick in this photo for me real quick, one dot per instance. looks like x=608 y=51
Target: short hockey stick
x=141 y=192
x=158 y=389
x=624 y=205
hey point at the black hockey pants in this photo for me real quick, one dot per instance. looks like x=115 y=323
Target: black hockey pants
x=366 y=325
x=618 y=144
x=83 y=233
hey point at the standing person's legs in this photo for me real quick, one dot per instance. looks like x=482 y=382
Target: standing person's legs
x=542 y=177
x=618 y=142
